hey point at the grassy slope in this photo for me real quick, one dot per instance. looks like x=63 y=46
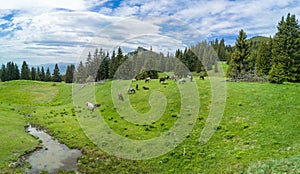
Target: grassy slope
x=260 y=124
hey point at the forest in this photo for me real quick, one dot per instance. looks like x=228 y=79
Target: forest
x=275 y=59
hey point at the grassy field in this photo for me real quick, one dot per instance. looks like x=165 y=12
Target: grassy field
x=259 y=132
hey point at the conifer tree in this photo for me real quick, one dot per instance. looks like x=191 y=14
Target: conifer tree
x=56 y=75
x=238 y=64
x=103 y=70
x=25 y=71
x=42 y=75
x=69 y=73
x=263 y=59
x=33 y=73
x=3 y=73
x=222 y=51
x=48 y=75
x=285 y=52
x=112 y=65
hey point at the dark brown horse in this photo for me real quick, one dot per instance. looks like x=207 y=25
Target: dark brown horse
x=145 y=88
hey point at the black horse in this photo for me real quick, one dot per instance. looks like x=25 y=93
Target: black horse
x=145 y=88
x=162 y=80
x=131 y=91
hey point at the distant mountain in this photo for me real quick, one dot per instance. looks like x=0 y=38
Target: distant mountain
x=62 y=67
x=259 y=39
x=256 y=40
x=139 y=50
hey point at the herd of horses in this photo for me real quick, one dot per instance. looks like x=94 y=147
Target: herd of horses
x=162 y=80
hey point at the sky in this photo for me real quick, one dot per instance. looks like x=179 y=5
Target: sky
x=52 y=31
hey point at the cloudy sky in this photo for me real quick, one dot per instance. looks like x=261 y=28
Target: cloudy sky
x=50 y=31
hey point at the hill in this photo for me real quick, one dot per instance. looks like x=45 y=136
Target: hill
x=258 y=39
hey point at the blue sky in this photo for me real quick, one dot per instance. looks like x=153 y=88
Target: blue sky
x=51 y=31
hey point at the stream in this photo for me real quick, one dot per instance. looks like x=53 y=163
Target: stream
x=53 y=156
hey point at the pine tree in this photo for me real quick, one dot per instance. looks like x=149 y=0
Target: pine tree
x=103 y=70
x=222 y=51
x=25 y=71
x=17 y=72
x=69 y=73
x=3 y=73
x=112 y=65
x=56 y=75
x=48 y=75
x=33 y=73
x=263 y=59
x=42 y=75
x=80 y=73
x=238 y=64
x=285 y=52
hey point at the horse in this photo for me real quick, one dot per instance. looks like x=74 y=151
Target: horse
x=167 y=78
x=131 y=91
x=137 y=86
x=92 y=106
x=147 y=80
x=145 y=88
x=120 y=96
x=201 y=77
x=162 y=80
x=181 y=81
x=133 y=80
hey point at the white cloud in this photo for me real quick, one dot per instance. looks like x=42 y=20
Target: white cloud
x=31 y=4
x=44 y=30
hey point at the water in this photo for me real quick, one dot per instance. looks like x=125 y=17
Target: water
x=53 y=156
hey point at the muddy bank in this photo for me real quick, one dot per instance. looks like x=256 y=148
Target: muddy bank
x=53 y=156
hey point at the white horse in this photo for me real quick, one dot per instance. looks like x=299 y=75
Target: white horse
x=92 y=106
x=181 y=81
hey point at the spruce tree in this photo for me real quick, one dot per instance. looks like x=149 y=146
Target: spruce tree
x=33 y=73
x=102 y=72
x=3 y=73
x=263 y=59
x=69 y=73
x=112 y=65
x=48 y=75
x=285 y=52
x=25 y=71
x=42 y=75
x=222 y=51
x=56 y=75
x=238 y=64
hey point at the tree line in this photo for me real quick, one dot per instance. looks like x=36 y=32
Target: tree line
x=277 y=59
x=11 y=71
x=143 y=63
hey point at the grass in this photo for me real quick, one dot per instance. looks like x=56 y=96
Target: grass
x=259 y=132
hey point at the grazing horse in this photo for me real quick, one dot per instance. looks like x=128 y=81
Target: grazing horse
x=202 y=77
x=131 y=91
x=147 y=79
x=162 y=80
x=167 y=78
x=137 y=86
x=181 y=81
x=92 y=106
x=120 y=96
x=133 y=80
x=145 y=88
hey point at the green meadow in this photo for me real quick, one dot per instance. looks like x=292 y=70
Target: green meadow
x=258 y=133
